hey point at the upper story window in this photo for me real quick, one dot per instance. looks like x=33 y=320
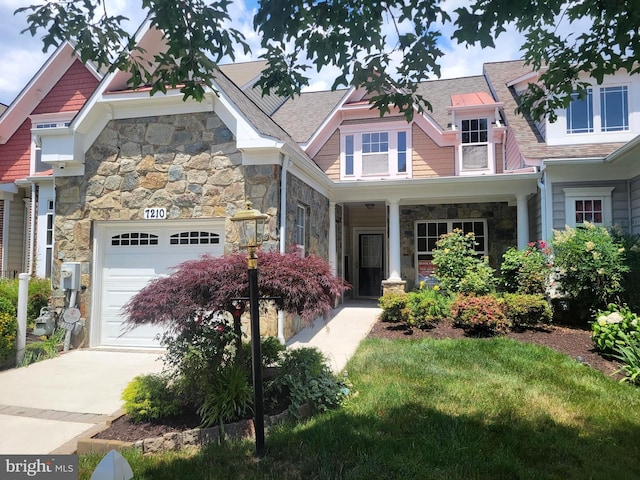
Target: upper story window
x=475 y=145
x=375 y=153
x=580 y=113
x=614 y=109
x=610 y=113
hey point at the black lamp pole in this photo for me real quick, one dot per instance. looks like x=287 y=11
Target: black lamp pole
x=258 y=397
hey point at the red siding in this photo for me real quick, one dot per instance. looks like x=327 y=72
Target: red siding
x=16 y=153
x=71 y=91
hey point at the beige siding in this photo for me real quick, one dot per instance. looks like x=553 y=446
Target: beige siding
x=328 y=158
x=499 y=163
x=430 y=160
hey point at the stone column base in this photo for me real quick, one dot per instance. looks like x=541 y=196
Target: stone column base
x=393 y=286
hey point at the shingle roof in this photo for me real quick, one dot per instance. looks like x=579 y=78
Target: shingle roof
x=531 y=143
x=245 y=75
x=302 y=116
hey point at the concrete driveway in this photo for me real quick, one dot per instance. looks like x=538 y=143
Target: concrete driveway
x=45 y=406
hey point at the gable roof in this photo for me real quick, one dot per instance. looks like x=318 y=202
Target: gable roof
x=501 y=77
x=38 y=87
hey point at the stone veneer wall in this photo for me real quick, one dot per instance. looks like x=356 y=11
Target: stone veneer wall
x=188 y=164
x=317 y=205
x=501 y=219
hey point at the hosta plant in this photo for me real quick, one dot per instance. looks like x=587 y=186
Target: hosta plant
x=613 y=327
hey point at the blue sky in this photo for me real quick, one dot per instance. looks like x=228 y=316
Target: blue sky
x=21 y=54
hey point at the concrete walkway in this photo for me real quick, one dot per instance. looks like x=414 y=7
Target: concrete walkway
x=46 y=406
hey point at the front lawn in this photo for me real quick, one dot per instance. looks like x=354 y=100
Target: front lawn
x=442 y=409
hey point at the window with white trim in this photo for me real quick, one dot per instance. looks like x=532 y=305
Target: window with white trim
x=591 y=205
x=475 y=144
x=375 y=153
x=614 y=109
x=580 y=113
x=49 y=239
x=607 y=111
x=428 y=232
x=301 y=228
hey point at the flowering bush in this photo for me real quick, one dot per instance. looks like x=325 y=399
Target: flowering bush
x=527 y=271
x=524 y=310
x=394 y=307
x=458 y=266
x=613 y=327
x=590 y=267
x=483 y=315
x=427 y=306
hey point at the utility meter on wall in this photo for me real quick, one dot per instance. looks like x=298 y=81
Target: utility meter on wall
x=70 y=276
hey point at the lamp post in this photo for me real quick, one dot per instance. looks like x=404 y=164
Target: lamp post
x=249 y=224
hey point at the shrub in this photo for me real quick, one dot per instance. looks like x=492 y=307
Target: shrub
x=480 y=315
x=149 y=397
x=613 y=327
x=630 y=278
x=7 y=307
x=628 y=352
x=196 y=353
x=39 y=294
x=228 y=399
x=524 y=310
x=526 y=271
x=8 y=333
x=590 y=267
x=394 y=307
x=304 y=375
x=427 y=306
x=459 y=269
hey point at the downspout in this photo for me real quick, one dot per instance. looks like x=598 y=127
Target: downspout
x=32 y=234
x=283 y=233
x=543 y=206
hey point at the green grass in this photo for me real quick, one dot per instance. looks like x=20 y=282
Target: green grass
x=443 y=409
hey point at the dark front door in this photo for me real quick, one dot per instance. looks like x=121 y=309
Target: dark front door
x=371 y=264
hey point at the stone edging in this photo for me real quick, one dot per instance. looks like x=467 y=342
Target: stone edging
x=198 y=437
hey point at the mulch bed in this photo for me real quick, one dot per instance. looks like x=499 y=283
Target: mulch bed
x=572 y=341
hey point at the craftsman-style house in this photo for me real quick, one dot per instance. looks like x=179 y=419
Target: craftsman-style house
x=145 y=182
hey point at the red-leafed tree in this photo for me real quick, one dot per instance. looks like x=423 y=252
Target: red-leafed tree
x=212 y=285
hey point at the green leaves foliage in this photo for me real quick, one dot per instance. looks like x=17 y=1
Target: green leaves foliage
x=353 y=36
x=614 y=327
x=150 y=397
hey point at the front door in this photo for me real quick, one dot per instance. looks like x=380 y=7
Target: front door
x=371 y=262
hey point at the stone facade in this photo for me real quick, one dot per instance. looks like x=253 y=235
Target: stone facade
x=188 y=164
x=501 y=219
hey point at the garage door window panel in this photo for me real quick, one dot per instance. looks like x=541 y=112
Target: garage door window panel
x=134 y=239
x=194 y=238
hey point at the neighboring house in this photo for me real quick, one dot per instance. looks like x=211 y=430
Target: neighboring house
x=149 y=182
x=39 y=115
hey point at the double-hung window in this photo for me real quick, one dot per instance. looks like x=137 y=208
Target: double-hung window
x=375 y=153
x=475 y=145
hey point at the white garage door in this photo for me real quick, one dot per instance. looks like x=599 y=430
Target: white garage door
x=130 y=255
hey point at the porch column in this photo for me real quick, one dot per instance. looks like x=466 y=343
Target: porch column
x=394 y=241
x=333 y=248
x=523 y=221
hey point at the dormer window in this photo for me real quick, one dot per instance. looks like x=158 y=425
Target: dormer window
x=475 y=144
x=375 y=153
